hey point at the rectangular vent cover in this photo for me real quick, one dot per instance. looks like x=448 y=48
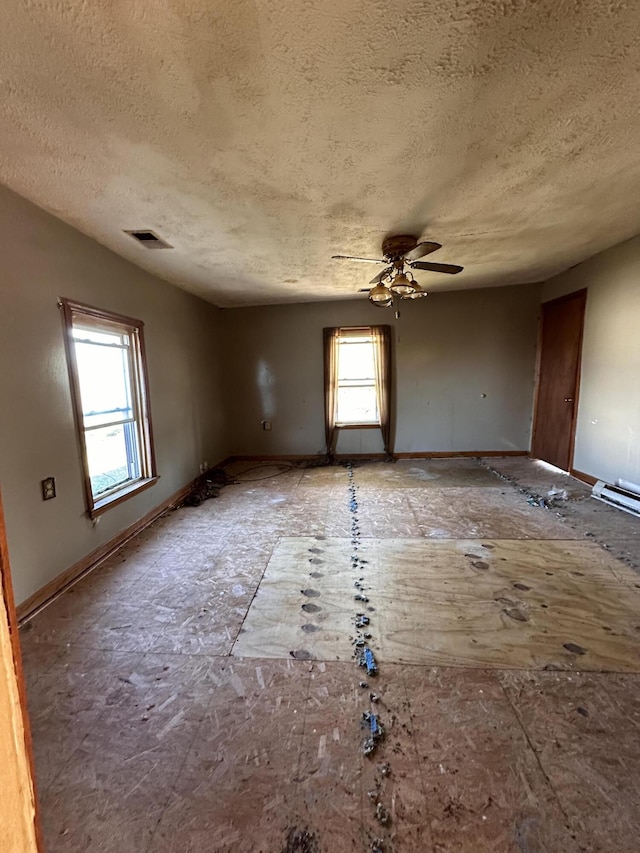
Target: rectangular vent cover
x=149 y=239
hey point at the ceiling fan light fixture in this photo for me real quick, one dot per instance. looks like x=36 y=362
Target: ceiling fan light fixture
x=401 y=252
x=401 y=285
x=381 y=296
x=418 y=293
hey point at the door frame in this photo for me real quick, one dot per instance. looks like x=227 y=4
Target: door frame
x=582 y=294
x=21 y=715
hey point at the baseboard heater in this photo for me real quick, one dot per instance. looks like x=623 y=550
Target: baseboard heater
x=622 y=497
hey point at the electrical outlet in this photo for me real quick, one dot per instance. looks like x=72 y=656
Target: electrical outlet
x=48 y=488
x=266 y=425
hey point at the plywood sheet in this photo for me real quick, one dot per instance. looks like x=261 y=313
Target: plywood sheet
x=584 y=729
x=425 y=474
x=464 y=513
x=183 y=748
x=503 y=604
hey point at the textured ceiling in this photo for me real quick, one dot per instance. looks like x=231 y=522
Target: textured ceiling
x=259 y=138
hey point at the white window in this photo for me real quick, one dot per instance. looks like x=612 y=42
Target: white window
x=109 y=389
x=356 y=399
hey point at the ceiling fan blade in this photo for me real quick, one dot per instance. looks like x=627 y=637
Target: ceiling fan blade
x=425 y=265
x=360 y=260
x=421 y=250
x=378 y=278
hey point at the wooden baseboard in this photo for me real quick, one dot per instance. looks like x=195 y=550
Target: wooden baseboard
x=276 y=457
x=586 y=478
x=224 y=462
x=454 y=454
x=373 y=456
x=417 y=454
x=91 y=561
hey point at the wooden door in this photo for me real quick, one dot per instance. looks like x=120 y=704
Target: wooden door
x=558 y=379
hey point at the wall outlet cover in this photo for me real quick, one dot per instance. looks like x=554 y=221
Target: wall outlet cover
x=48 y=488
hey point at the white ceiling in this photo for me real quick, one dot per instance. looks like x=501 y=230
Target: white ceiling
x=259 y=137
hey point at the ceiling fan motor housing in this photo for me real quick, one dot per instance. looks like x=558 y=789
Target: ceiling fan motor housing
x=398 y=245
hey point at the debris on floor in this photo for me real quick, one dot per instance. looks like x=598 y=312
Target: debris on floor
x=382 y=815
x=300 y=841
x=573 y=505
x=366 y=659
x=208 y=485
x=376 y=732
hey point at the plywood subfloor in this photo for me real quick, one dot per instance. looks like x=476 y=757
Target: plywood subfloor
x=503 y=604
x=169 y=715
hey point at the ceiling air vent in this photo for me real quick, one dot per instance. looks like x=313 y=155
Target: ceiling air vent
x=149 y=239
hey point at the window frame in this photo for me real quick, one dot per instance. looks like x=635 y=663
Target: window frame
x=77 y=312
x=354 y=332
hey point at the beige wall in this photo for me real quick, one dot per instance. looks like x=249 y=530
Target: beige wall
x=450 y=349
x=608 y=429
x=43 y=259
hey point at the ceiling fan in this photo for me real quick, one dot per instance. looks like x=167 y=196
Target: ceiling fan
x=399 y=252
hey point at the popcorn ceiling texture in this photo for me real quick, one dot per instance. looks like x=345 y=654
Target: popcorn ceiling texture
x=259 y=138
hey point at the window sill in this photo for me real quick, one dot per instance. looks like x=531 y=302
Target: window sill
x=358 y=426
x=103 y=504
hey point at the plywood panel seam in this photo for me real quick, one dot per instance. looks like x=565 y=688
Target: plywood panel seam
x=244 y=618
x=534 y=751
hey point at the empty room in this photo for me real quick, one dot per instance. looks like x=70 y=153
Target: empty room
x=320 y=427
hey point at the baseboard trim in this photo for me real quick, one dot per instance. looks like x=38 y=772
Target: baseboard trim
x=87 y=564
x=417 y=454
x=586 y=478
x=276 y=457
x=454 y=454
x=224 y=462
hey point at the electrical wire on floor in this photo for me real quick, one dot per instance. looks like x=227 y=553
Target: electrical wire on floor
x=283 y=468
x=320 y=462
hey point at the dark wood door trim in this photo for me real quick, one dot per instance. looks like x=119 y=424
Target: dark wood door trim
x=574 y=295
x=9 y=603
x=582 y=294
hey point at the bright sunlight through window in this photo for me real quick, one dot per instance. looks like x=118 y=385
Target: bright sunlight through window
x=356 y=396
x=108 y=379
